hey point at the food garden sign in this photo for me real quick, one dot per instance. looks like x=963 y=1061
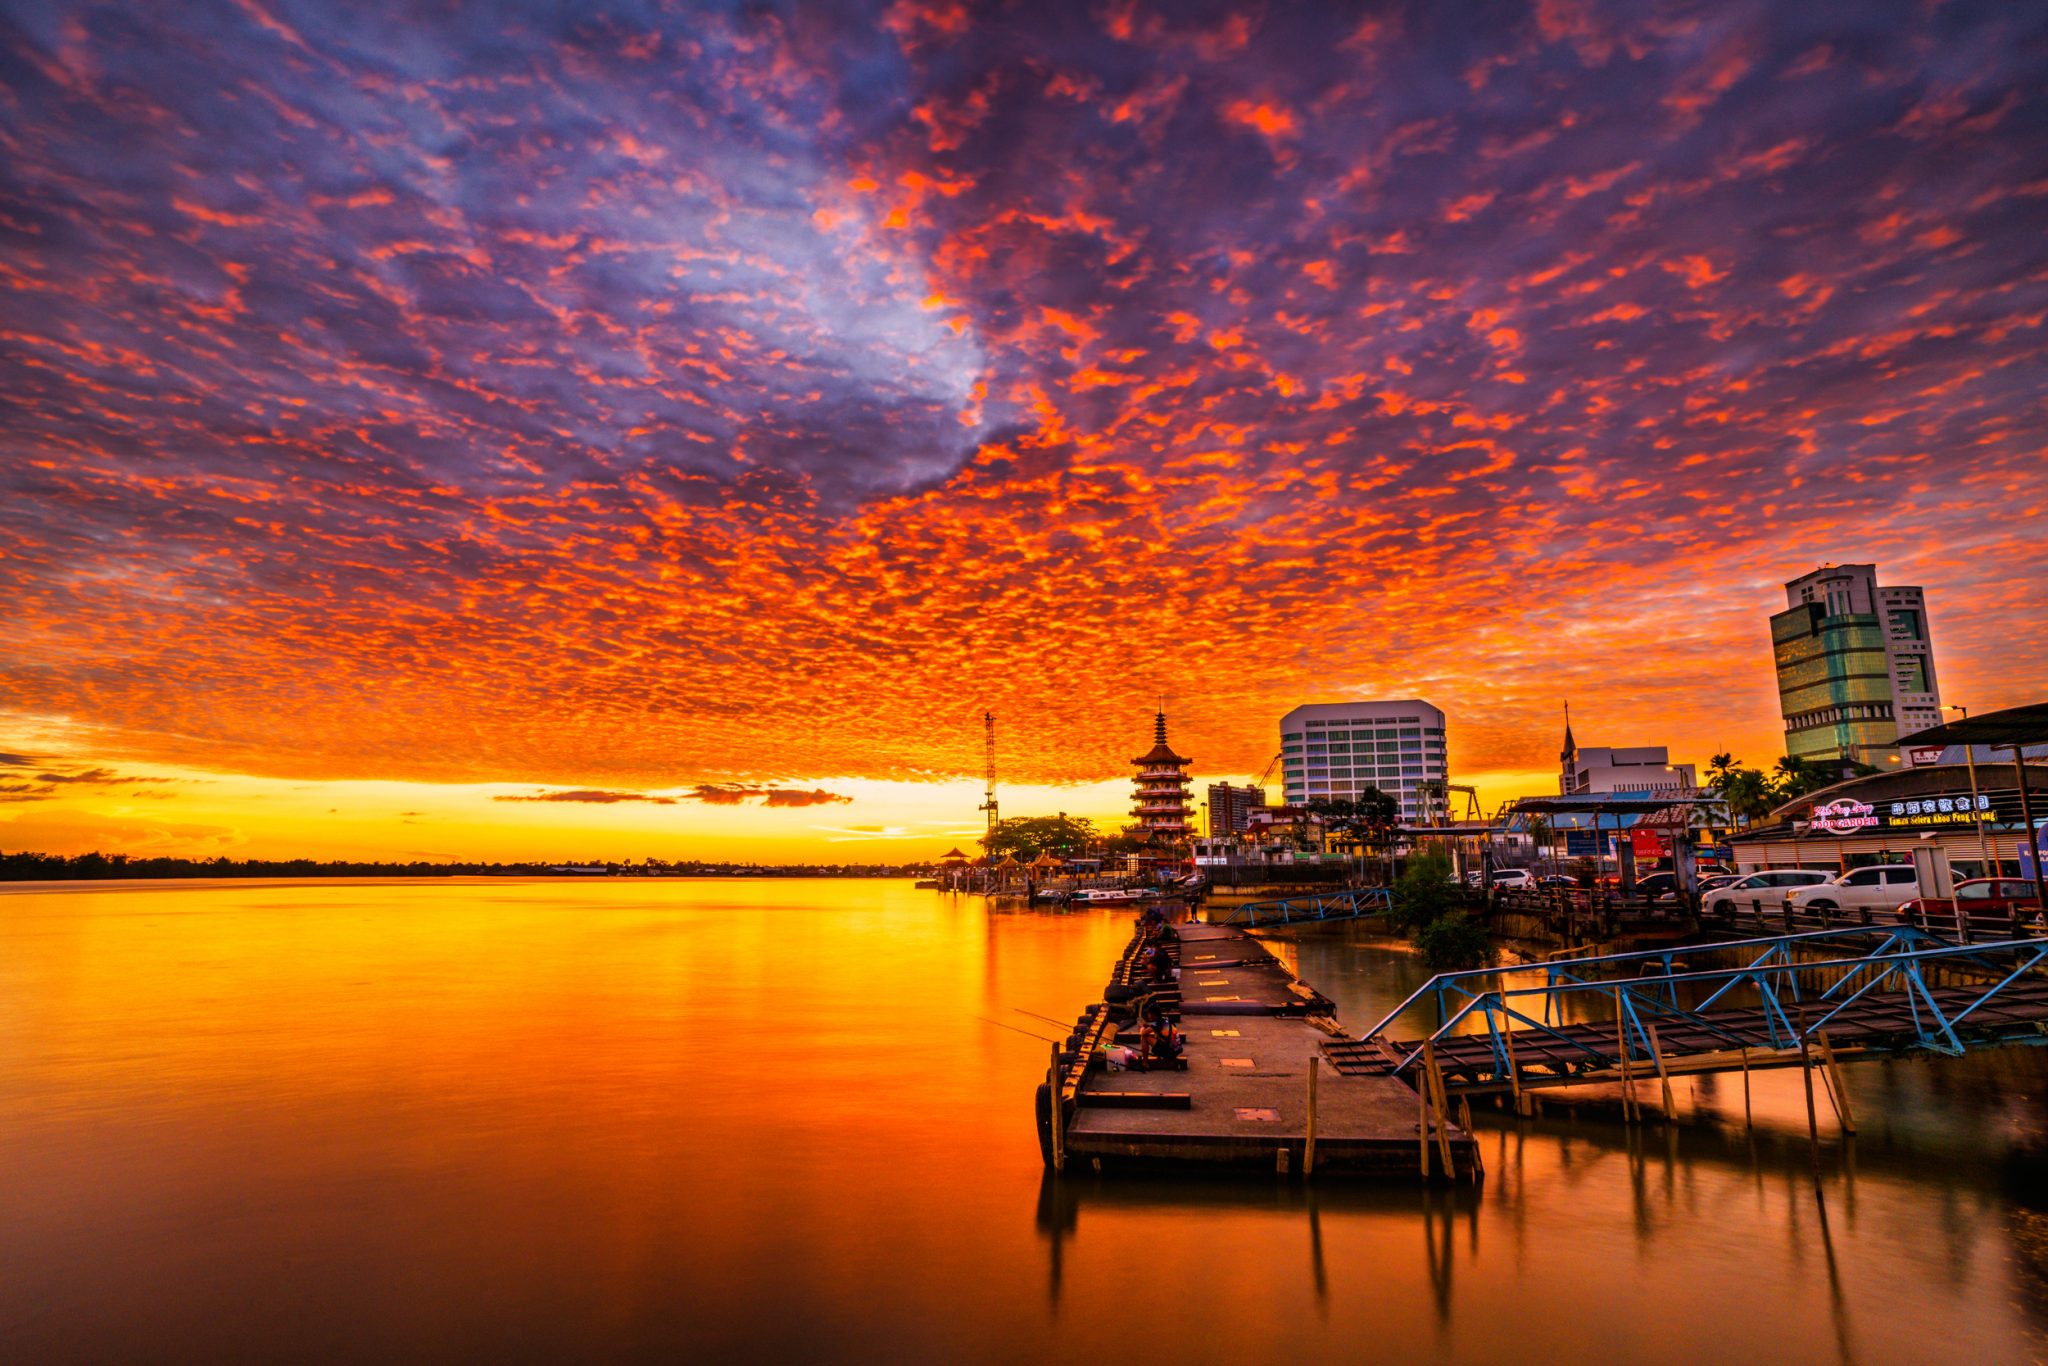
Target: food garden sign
x=1843 y=816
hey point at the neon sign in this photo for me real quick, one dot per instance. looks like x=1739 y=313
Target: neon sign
x=1843 y=816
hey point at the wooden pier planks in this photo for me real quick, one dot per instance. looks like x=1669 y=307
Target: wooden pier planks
x=1243 y=1099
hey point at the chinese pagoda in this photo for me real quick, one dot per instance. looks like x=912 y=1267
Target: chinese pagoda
x=1159 y=797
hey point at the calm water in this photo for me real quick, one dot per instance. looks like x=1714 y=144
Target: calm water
x=735 y=1120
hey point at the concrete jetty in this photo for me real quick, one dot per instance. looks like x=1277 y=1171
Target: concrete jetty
x=1245 y=1097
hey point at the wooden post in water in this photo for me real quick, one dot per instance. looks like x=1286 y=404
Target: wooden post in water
x=1747 y=1118
x=1621 y=1043
x=1059 y=1138
x=1308 y=1148
x=1806 y=1074
x=1443 y=1109
x=1514 y=1068
x=1657 y=1057
x=1422 y=1127
x=1836 y=1090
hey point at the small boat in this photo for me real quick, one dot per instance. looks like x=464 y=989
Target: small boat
x=1109 y=896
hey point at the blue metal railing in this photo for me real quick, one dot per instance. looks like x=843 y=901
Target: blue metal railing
x=1345 y=905
x=1897 y=956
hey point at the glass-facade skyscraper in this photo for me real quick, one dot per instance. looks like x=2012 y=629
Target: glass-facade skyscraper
x=1855 y=666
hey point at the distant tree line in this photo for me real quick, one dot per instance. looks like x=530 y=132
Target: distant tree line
x=33 y=867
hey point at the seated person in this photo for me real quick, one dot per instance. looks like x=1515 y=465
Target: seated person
x=1166 y=1042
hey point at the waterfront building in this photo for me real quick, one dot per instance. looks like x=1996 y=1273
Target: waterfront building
x=1855 y=666
x=1159 y=792
x=1335 y=750
x=1973 y=819
x=1641 y=768
x=1230 y=808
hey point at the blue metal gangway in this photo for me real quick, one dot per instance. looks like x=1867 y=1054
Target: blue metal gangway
x=1852 y=991
x=1298 y=910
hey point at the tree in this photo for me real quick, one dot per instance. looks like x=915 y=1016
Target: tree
x=1426 y=904
x=1424 y=891
x=1802 y=777
x=1026 y=837
x=1750 y=794
x=1367 y=819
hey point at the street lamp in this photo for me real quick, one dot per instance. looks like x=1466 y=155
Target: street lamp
x=1976 y=816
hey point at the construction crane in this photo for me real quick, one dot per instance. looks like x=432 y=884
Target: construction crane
x=988 y=729
x=1269 y=773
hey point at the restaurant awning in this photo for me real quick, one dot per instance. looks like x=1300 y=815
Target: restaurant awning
x=2026 y=725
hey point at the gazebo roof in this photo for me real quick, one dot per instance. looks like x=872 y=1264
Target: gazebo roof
x=1007 y=861
x=953 y=853
x=1045 y=860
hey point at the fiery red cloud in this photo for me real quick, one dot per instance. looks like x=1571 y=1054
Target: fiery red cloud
x=648 y=397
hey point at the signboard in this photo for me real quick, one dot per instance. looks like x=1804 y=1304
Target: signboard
x=1921 y=755
x=1648 y=843
x=1844 y=817
x=1582 y=844
x=1926 y=812
x=1935 y=812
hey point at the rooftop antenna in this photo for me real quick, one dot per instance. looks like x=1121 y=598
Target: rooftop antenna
x=988 y=729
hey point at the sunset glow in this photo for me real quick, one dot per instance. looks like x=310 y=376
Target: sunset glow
x=665 y=431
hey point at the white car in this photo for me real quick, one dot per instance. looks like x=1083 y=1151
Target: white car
x=1767 y=888
x=1513 y=877
x=1885 y=887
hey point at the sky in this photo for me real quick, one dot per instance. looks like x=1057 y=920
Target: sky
x=625 y=430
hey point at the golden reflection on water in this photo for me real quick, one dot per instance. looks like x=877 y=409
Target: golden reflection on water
x=785 y=1120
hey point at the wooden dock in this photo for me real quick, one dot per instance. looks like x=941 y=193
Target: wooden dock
x=1258 y=1090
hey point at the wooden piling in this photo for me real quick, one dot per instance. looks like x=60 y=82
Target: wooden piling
x=1837 y=1091
x=1621 y=1044
x=1747 y=1118
x=1059 y=1138
x=1443 y=1109
x=1806 y=1075
x=1308 y=1147
x=1422 y=1125
x=1514 y=1068
x=1657 y=1057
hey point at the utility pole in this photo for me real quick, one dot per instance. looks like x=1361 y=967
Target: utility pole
x=988 y=847
x=1976 y=816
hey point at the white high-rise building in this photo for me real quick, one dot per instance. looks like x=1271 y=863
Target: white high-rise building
x=1338 y=749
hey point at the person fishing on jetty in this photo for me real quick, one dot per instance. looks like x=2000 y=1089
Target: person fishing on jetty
x=1166 y=1044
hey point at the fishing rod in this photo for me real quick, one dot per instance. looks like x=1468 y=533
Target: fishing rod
x=1047 y=1038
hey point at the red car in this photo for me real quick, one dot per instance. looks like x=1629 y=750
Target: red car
x=1988 y=903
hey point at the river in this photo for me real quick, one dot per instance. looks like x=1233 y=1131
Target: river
x=559 y=1120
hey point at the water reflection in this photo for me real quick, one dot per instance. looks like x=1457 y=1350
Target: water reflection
x=784 y=1121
